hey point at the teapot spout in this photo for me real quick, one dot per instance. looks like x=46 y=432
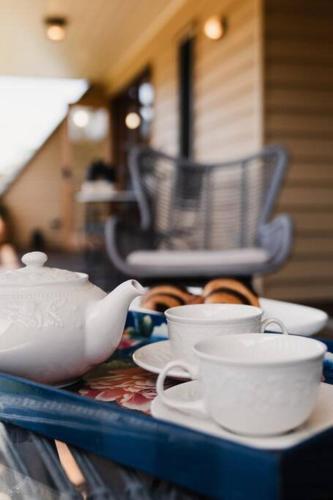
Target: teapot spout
x=106 y=320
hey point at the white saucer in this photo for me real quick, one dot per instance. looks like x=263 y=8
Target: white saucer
x=154 y=357
x=320 y=420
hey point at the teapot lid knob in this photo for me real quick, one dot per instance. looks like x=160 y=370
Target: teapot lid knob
x=34 y=259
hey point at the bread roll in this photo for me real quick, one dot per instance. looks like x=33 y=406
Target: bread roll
x=160 y=302
x=229 y=291
x=173 y=290
x=160 y=298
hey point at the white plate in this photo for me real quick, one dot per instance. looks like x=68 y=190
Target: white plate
x=154 y=357
x=320 y=420
x=299 y=319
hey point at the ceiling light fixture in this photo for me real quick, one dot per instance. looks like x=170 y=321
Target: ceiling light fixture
x=215 y=27
x=56 y=28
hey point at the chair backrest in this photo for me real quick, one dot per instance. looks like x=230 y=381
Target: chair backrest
x=198 y=206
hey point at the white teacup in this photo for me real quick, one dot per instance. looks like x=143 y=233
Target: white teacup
x=254 y=384
x=189 y=324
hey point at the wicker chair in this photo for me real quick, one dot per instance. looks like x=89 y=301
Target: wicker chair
x=202 y=220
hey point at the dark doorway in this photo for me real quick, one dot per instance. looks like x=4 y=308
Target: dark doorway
x=186 y=55
x=131 y=117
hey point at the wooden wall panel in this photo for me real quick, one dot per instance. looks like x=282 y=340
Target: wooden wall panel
x=318 y=292
x=308 y=223
x=34 y=198
x=227 y=93
x=299 y=114
x=299 y=100
x=165 y=125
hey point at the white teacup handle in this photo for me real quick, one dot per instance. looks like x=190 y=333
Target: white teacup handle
x=196 y=406
x=273 y=321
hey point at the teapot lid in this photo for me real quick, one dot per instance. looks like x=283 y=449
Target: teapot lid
x=35 y=273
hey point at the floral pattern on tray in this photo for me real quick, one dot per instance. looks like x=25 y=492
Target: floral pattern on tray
x=121 y=383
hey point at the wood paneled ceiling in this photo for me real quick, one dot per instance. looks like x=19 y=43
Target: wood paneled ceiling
x=101 y=35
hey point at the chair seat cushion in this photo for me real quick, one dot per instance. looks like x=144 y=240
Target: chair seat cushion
x=219 y=260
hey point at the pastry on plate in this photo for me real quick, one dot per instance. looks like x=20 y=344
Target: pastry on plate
x=229 y=291
x=159 y=298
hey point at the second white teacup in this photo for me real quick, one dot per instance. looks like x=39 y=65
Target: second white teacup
x=253 y=384
x=189 y=324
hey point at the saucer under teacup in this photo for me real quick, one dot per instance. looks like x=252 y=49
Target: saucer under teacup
x=320 y=420
x=154 y=357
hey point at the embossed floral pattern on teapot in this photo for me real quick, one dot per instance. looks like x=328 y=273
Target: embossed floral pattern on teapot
x=55 y=324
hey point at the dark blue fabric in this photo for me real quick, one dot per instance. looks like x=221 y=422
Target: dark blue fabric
x=328 y=363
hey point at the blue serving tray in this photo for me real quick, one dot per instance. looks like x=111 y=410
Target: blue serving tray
x=207 y=465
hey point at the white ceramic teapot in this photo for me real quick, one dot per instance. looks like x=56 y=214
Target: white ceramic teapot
x=54 y=324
